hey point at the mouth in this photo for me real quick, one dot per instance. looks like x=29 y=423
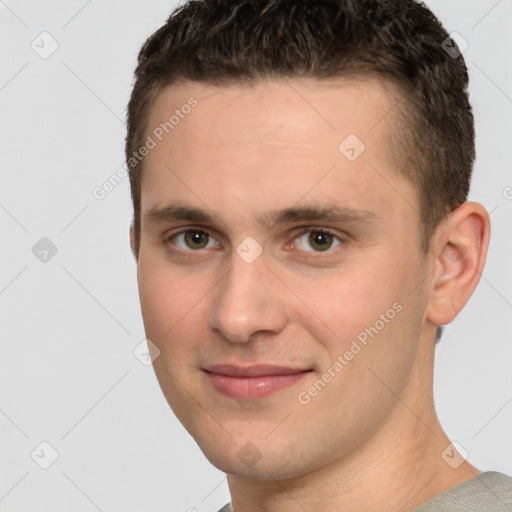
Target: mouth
x=252 y=382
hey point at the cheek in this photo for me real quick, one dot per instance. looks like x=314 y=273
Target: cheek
x=349 y=300
x=155 y=293
x=163 y=298
x=172 y=304
x=367 y=309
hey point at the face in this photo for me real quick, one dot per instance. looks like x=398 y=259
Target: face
x=280 y=273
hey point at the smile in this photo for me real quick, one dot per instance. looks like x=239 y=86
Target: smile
x=253 y=382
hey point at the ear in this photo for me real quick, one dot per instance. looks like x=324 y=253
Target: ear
x=461 y=248
x=133 y=243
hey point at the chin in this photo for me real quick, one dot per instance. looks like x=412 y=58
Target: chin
x=252 y=460
x=268 y=470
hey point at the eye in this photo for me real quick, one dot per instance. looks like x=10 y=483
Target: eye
x=193 y=239
x=317 y=240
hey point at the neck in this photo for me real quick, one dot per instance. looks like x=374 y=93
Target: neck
x=397 y=469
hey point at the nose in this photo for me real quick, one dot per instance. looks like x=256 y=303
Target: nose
x=249 y=301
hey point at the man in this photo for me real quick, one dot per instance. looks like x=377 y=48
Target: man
x=299 y=174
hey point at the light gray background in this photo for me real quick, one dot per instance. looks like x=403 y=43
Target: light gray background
x=69 y=325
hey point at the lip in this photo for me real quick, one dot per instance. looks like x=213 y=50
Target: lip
x=258 y=370
x=252 y=382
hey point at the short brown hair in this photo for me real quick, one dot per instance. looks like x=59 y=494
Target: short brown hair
x=223 y=41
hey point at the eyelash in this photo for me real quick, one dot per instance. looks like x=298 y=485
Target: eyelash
x=323 y=231
x=310 y=254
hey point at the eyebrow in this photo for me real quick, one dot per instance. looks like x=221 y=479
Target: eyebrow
x=314 y=212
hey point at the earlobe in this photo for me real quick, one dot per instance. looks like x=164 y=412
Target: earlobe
x=463 y=239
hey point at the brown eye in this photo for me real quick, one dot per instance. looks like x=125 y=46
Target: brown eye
x=192 y=240
x=196 y=239
x=317 y=240
x=320 y=240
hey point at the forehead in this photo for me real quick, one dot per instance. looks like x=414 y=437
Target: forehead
x=302 y=111
x=271 y=142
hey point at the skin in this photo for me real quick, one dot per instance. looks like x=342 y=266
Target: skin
x=370 y=439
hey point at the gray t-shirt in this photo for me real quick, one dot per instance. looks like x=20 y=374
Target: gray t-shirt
x=487 y=492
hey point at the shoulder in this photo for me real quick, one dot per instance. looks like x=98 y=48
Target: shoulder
x=487 y=492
